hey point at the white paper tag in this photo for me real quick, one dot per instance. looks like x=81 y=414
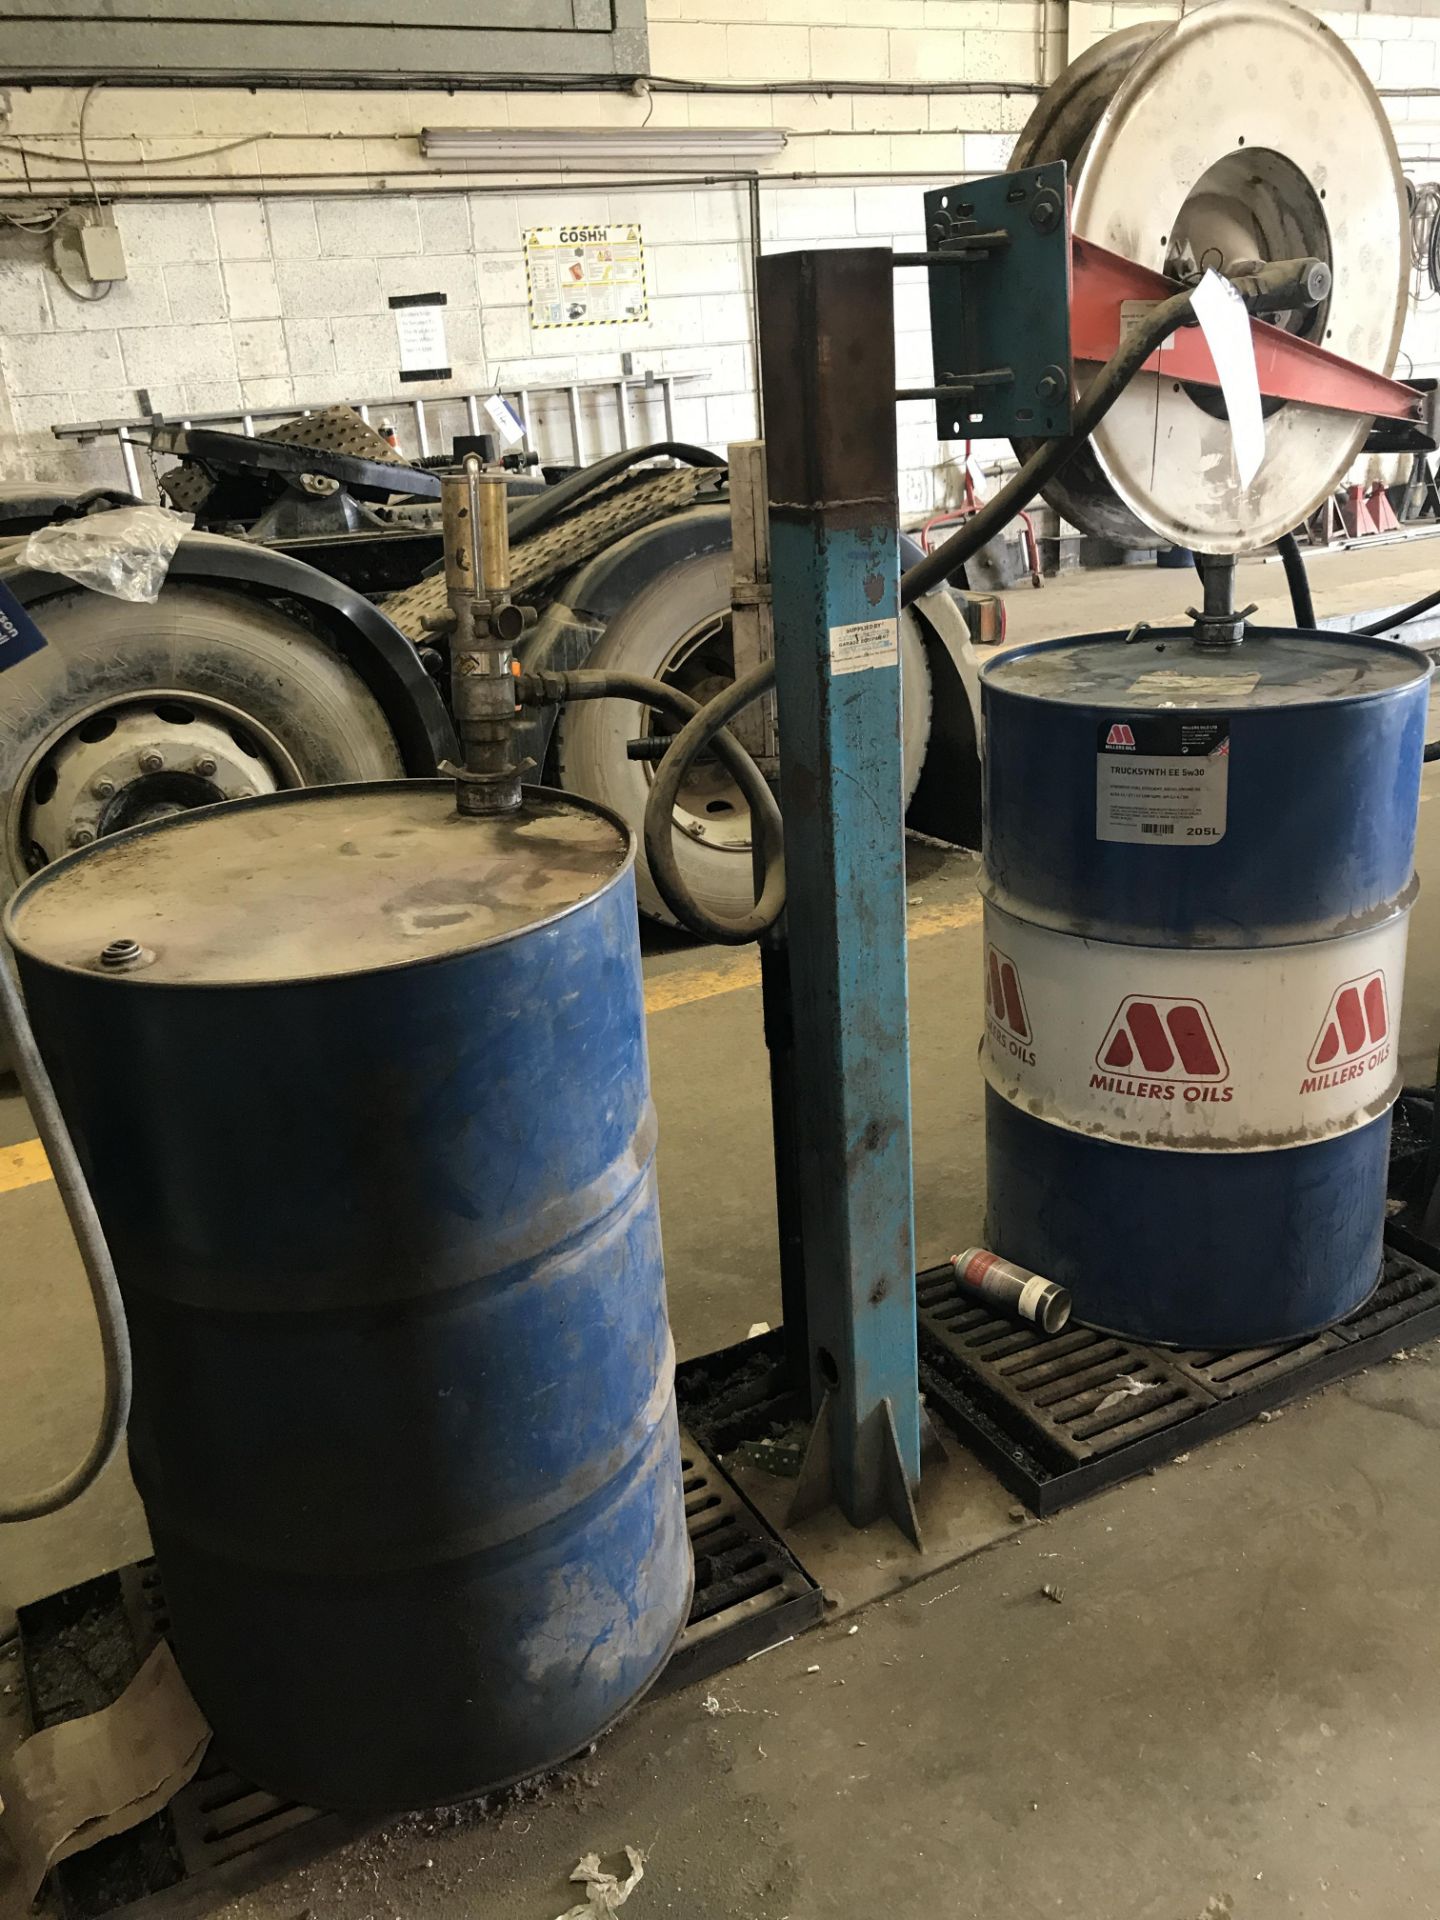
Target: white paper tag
x=868 y=643
x=503 y=418
x=1174 y=684
x=1226 y=326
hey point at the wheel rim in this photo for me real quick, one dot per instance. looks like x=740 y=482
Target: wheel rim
x=710 y=808
x=121 y=763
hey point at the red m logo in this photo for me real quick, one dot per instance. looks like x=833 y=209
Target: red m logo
x=1163 y=1038
x=1357 y=1019
x=1003 y=995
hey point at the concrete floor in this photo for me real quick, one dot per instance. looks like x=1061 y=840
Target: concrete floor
x=1234 y=1710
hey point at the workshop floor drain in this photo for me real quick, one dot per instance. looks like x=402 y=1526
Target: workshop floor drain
x=1060 y=1419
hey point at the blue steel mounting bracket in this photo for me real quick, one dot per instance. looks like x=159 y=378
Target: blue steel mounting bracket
x=827 y=350
x=998 y=255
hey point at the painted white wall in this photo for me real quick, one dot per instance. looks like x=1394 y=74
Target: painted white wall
x=268 y=283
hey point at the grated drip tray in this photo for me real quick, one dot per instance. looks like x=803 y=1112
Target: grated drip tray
x=1053 y=1419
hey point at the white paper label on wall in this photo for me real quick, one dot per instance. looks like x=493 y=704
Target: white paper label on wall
x=1241 y=1051
x=867 y=643
x=420 y=331
x=1226 y=327
x=1162 y=780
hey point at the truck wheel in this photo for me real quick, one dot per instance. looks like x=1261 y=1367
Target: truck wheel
x=678 y=630
x=134 y=712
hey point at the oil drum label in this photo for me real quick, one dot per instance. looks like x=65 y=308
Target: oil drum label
x=1238 y=1051
x=1161 y=780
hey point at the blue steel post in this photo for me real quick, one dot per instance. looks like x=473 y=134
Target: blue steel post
x=828 y=378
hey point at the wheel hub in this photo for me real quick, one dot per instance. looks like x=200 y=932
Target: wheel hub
x=710 y=807
x=128 y=763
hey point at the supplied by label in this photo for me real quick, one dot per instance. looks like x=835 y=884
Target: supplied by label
x=868 y=643
x=1162 y=781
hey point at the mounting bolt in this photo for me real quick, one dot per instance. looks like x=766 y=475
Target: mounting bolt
x=1052 y=384
x=103 y=789
x=151 y=761
x=1045 y=210
x=205 y=766
x=80 y=836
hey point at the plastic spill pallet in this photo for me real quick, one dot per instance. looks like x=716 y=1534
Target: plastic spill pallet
x=221 y=1835
x=1052 y=1421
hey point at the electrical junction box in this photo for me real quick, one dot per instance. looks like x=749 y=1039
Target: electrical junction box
x=103 y=252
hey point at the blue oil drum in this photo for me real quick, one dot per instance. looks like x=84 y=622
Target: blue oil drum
x=369 y=1128
x=1198 y=871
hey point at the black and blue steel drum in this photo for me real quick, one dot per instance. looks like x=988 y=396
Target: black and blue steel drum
x=1199 y=867
x=363 y=1095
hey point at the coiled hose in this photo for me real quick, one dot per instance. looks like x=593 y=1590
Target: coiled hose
x=703 y=727
x=94 y=1253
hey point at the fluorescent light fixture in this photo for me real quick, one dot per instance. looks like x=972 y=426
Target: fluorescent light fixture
x=556 y=149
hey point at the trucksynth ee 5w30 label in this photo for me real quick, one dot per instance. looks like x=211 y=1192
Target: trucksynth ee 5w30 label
x=1161 y=780
x=1238 y=1050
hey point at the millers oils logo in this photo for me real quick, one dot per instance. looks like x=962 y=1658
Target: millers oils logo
x=1172 y=1047
x=1120 y=735
x=1354 y=1036
x=1006 y=1020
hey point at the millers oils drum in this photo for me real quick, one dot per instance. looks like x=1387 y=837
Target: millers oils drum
x=1198 y=872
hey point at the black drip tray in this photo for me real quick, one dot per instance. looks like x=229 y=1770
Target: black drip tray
x=1050 y=1417
x=221 y=1835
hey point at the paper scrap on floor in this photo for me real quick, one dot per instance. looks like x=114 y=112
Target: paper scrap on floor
x=81 y=1781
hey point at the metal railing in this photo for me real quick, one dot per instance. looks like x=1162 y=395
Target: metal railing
x=527 y=402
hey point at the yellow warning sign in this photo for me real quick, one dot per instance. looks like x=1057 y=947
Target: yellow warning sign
x=585 y=276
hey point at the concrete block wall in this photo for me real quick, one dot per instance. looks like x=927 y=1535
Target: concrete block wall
x=266 y=231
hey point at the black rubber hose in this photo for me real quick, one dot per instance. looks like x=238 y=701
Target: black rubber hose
x=1096 y=401
x=539 y=510
x=1301 y=604
x=1412 y=612
x=703 y=727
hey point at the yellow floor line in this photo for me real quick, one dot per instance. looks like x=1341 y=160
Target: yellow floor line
x=25 y=1165
x=686 y=985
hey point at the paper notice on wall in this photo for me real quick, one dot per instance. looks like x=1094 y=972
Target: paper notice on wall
x=586 y=276
x=1226 y=326
x=420 y=331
